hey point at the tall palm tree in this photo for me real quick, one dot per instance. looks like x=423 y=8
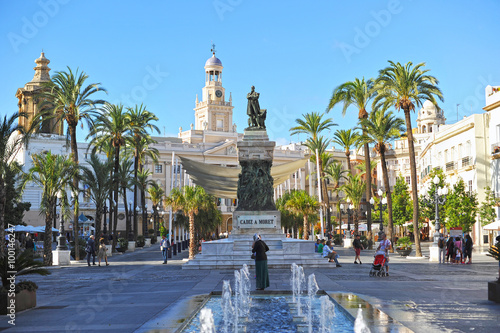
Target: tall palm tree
x=381 y=128
x=143 y=182
x=141 y=119
x=12 y=139
x=335 y=173
x=357 y=93
x=112 y=126
x=301 y=203
x=361 y=167
x=67 y=99
x=156 y=194
x=125 y=180
x=346 y=139
x=54 y=173
x=403 y=87
x=96 y=179
x=354 y=190
x=189 y=199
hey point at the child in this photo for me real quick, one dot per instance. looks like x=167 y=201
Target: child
x=458 y=255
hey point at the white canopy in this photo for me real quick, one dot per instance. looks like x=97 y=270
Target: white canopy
x=492 y=226
x=222 y=182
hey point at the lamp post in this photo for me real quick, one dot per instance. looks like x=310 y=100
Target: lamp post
x=61 y=240
x=349 y=209
x=439 y=199
x=105 y=211
x=381 y=207
x=144 y=219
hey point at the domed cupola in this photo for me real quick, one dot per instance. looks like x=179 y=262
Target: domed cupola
x=428 y=116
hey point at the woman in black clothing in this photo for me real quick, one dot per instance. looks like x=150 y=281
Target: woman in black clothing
x=468 y=248
x=450 y=247
x=260 y=248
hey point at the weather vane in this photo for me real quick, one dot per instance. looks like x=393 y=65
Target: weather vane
x=213 y=48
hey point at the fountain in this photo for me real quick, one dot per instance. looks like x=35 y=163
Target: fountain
x=327 y=315
x=297 y=283
x=229 y=318
x=207 y=321
x=312 y=289
x=359 y=324
x=242 y=291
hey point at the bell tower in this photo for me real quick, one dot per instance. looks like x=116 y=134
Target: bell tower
x=213 y=113
x=29 y=100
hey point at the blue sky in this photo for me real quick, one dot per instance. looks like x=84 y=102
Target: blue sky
x=294 y=52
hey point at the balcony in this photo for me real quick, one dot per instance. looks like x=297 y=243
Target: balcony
x=466 y=161
x=450 y=166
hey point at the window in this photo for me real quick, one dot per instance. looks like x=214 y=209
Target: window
x=407 y=178
x=177 y=169
x=220 y=123
x=446 y=156
x=468 y=148
x=470 y=185
x=158 y=168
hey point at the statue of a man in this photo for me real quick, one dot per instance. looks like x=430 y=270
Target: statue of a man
x=253 y=108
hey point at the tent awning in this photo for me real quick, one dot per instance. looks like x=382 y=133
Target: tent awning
x=492 y=226
x=222 y=182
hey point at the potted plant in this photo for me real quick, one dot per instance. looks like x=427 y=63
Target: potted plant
x=140 y=241
x=403 y=246
x=337 y=239
x=81 y=246
x=25 y=291
x=122 y=245
x=494 y=286
x=152 y=235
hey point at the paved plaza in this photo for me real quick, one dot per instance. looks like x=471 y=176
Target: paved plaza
x=136 y=292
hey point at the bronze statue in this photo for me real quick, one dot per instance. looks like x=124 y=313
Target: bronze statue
x=256 y=116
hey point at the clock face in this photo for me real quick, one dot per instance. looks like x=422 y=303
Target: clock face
x=218 y=93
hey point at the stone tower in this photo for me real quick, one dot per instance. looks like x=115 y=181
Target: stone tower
x=213 y=113
x=29 y=100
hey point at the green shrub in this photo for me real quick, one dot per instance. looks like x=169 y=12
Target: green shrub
x=26 y=285
x=366 y=243
x=81 y=244
x=163 y=231
x=140 y=241
x=404 y=243
x=123 y=243
x=337 y=239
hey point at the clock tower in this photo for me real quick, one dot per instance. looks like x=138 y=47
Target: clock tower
x=213 y=113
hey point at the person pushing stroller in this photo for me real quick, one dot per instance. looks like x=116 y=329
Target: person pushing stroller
x=383 y=248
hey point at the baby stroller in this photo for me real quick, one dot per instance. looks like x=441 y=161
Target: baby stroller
x=378 y=267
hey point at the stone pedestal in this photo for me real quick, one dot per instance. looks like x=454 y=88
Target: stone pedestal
x=109 y=250
x=61 y=257
x=348 y=242
x=131 y=246
x=147 y=242
x=434 y=253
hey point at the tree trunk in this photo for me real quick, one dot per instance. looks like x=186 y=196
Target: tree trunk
x=192 y=244
x=413 y=169
x=326 y=200
x=128 y=226
x=348 y=156
x=74 y=151
x=144 y=213
x=306 y=228
x=136 y=168
x=390 y=224
x=368 y=187
x=98 y=214
x=356 y=221
x=47 y=242
x=115 y=199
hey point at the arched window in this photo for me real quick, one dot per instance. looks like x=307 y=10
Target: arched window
x=423 y=129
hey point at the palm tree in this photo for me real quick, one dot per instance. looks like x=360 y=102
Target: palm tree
x=125 y=180
x=189 y=199
x=381 y=127
x=346 y=139
x=96 y=180
x=301 y=203
x=112 y=126
x=143 y=183
x=361 y=167
x=156 y=194
x=403 y=87
x=67 y=99
x=289 y=220
x=141 y=119
x=12 y=139
x=335 y=173
x=357 y=93
x=54 y=173
x=354 y=189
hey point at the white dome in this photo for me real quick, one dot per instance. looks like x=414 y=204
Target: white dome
x=428 y=105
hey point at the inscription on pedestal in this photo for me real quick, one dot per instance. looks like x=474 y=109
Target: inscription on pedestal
x=257 y=221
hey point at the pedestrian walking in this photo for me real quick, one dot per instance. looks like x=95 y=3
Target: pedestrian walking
x=468 y=248
x=450 y=253
x=260 y=248
x=358 y=246
x=441 y=248
x=164 y=247
x=90 y=249
x=101 y=254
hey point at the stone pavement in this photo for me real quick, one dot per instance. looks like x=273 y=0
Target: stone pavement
x=137 y=292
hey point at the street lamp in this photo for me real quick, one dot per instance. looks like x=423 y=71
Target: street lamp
x=439 y=199
x=144 y=219
x=61 y=240
x=129 y=218
x=349 y=209
x=105 y=211
x=382 y=206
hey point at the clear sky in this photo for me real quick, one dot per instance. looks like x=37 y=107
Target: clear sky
x=294 y=52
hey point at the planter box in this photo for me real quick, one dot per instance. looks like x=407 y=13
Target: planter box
x=131 y=246
x=147 y=242
x=494 y=291
x=404 y=252
x=120 y=249
x=24 y=300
